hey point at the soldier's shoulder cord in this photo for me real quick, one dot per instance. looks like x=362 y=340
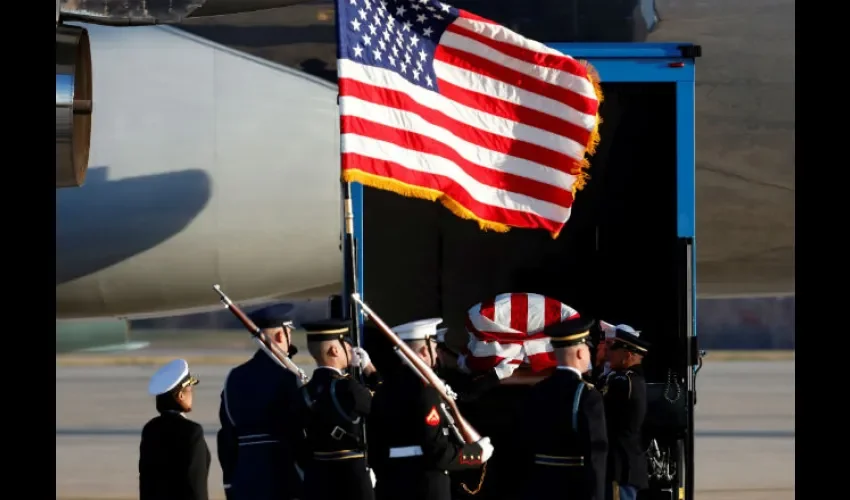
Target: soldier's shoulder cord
x=625 y=376
x=576 y=401
x=339 y=409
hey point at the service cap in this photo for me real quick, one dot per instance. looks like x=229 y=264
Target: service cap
x=172 y=376
x=271 y=317
x=418 y=330
x=628 y=338
x=570 y=332
x=440 y=336
x=328 y=329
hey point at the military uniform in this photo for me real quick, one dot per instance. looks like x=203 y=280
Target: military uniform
x=602 y=333
x=332 y=408
x=174 y=460
x=259 y=437
x=625 y=410
x=412 y=447
x=563 y=429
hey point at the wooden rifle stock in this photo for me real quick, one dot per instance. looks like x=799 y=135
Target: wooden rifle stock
x=271 y=350
x=469 y=434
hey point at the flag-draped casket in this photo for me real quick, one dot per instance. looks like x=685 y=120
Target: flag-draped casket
x=506 y=332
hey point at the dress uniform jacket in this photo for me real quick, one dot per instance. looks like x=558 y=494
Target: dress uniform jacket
x=259 y=434
x=625 y=410
x=411 y=446
x=174 y=460
x=564 y=439
x=333 y=406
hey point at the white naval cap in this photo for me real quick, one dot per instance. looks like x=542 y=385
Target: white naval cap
x=418 y=330
x=627 y=329
x=170 y=376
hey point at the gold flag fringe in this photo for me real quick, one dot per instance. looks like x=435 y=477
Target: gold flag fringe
x=411 y=191
x=581 y=171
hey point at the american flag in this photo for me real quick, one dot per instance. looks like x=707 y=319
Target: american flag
x=507 y=331
x=438 y=103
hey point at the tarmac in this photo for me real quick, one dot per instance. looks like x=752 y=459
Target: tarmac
x=744 y=441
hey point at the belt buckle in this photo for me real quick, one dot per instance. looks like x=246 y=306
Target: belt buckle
x=338 y=433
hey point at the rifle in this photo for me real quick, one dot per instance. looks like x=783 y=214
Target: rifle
x=274 y=352
x=467 y=433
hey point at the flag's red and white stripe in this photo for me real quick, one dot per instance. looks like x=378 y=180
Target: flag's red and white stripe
x=502 y=142
x=506 y=331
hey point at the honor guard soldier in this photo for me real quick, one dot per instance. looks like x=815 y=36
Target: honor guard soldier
x=625 y=409
x=333 y=406
x=174 y=460
x=604 y=334
x=563 y=426
x=466 y=387
x=259 y=434
x=412 y=446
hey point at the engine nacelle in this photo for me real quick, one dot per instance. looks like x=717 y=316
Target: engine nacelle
x=73 y=105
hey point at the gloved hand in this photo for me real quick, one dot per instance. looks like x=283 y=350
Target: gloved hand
x=359 y=357
x=450 y=393
x=504 y=370
x=486 y=448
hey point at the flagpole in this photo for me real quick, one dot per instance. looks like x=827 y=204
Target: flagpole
x=350 y=267
x=349 y=245
x=350 y=264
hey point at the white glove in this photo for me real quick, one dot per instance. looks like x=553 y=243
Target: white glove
x=504 y=370
x=374 y=479
x=486 y=448
x=359 y=357
x=450 y=393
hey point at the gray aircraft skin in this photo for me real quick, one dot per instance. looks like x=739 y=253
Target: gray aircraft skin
x=146 y=12
x=209 y=166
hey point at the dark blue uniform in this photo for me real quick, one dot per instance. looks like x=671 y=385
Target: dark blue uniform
x=625 y=410
x=174 y=460
x=259 y=434
x=333 y=406
x=563 y=437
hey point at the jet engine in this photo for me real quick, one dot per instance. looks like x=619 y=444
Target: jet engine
x=73 y=105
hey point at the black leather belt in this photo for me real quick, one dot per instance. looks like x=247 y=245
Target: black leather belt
x=558 y=461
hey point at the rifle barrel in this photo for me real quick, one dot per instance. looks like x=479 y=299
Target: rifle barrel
x=470 y=435
x=270 y=349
